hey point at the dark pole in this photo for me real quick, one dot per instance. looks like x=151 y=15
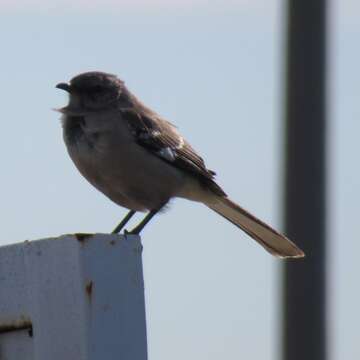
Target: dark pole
x=304 y=306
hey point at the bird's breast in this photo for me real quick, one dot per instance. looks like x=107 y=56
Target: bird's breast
x=78 y=134
x=114 y=163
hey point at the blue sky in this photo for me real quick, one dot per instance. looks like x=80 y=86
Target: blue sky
x=211 y=292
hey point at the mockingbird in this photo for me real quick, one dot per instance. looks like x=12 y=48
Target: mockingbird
x=140 y=161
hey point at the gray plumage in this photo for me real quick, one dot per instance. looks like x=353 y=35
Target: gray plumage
x=140 y=161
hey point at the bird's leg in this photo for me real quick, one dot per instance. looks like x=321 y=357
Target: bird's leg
x=146 y=219
x=124 y=221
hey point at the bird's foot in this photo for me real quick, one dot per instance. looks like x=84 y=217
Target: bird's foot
x=135 y=231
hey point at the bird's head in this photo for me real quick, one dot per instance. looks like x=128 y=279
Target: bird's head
x=92 y=91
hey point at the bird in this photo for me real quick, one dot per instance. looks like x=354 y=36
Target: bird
x=140 y=161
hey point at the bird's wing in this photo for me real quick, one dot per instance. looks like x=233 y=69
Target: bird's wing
x=163 y=140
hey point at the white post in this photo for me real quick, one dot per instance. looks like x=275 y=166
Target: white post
x=73 y=297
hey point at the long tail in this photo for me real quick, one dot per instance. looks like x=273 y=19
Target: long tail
x=274 y=242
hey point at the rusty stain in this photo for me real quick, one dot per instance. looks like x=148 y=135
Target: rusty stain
x=89 y=288
x=82 y=236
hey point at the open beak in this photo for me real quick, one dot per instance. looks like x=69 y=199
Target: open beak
x=63 y=86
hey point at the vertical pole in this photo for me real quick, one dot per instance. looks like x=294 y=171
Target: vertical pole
x=304 y=305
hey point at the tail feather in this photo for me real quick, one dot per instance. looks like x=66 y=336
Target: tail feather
x=274 y=242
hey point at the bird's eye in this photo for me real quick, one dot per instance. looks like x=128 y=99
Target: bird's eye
x=97 y=88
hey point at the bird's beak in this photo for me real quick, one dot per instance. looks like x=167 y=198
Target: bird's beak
x=64 y=86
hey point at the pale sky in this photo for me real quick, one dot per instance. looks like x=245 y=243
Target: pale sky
x=132 y=4
x=211 y=292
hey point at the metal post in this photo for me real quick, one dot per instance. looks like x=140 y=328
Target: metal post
x=74 y=297
x=304 y=307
